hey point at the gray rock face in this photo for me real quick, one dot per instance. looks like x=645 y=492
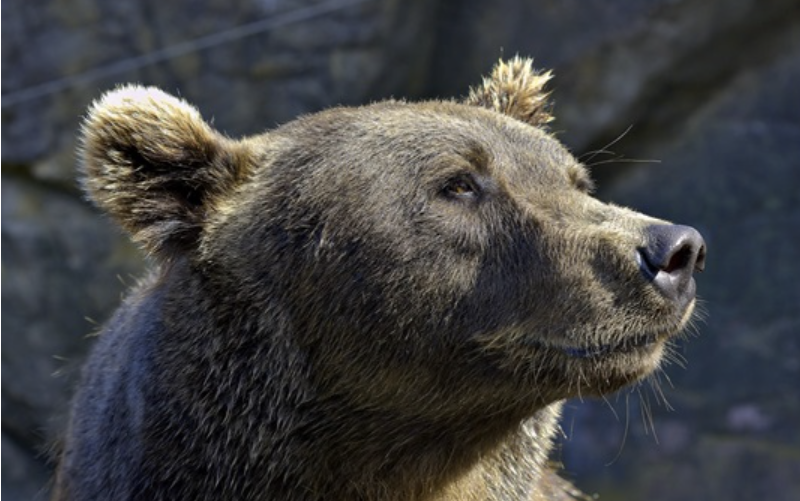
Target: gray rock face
x=708 y=88
x=64 y=269
x=617 y=63
x=251 y=64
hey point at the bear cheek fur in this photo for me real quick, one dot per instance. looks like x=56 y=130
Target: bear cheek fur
x=369 y=302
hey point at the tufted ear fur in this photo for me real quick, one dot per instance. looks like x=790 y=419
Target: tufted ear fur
x=151 y=161
x=515 y=89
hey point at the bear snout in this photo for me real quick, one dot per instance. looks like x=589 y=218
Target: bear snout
x=670 y=257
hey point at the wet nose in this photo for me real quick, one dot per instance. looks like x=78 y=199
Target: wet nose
x=670 y=257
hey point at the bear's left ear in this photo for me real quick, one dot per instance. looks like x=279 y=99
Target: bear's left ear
x=155 y=166
x=515 y=89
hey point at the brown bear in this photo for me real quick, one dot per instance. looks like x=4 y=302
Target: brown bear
x=377 y=303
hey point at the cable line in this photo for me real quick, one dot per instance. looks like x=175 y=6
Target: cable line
x=206 y=42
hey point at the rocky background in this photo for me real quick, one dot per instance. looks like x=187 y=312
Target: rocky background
x=710 y=90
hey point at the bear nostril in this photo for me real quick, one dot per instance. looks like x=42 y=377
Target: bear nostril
x=672 y=254
x=700 y=262
x=679 y=259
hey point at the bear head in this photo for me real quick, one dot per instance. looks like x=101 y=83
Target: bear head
x=443 y=258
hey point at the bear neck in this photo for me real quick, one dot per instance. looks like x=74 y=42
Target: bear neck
x=297 y=441
x=371 y=455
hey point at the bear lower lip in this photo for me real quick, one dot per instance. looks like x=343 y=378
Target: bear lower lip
x=626 y=346
x=587 y=352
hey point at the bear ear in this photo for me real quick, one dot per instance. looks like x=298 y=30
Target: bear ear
x=151 y=161
x=515 y=89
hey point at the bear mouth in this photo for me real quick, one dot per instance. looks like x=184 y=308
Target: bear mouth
x=626 y=346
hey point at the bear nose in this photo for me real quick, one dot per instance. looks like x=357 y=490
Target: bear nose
x=670 y=257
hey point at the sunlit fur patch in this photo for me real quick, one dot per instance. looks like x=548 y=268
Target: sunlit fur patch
x=687 y=315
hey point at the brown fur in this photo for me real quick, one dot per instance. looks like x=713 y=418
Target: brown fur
x=377 y=303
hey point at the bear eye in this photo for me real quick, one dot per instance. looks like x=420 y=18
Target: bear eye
x=461 y=188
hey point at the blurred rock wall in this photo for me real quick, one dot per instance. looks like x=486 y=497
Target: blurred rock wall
x=708 y=89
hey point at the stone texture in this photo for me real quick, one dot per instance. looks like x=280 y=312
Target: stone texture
x=282 y=61
x=617 y=62
x=709 y=89
x=64 y=268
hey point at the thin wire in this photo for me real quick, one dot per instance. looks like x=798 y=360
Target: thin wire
x=213 y=40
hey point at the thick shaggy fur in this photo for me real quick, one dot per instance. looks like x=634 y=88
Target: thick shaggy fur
x=377 y=303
